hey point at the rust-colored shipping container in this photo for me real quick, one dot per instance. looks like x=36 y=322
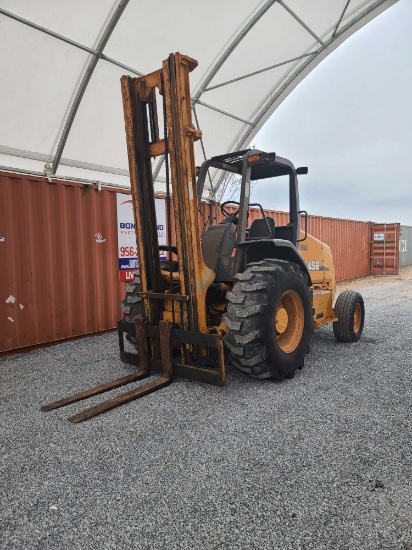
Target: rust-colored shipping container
x=349 y=242
x=384 y=256
x=58 y=258
x=59 y=273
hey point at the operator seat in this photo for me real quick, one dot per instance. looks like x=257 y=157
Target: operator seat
x=218 y=244
x=259 y=229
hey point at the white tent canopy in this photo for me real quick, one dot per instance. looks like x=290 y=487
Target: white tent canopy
x=61 y=63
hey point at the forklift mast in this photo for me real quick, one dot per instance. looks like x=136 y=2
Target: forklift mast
x=174 y=300
x=187 y=288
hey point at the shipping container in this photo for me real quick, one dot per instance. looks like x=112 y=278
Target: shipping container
x=58 y=257
x=59 y=272
x=385 y=248
x=405 y=246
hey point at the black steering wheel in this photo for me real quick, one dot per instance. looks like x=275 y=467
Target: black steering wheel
x=225 y=212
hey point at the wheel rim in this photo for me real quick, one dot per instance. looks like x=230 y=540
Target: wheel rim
x=289 y=321
x=357 y=318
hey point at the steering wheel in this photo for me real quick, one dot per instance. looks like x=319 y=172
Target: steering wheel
x=225 y=212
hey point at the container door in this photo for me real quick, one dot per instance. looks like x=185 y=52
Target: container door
x=384 y=248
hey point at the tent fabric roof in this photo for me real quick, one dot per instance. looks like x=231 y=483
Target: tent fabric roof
x=61 y=65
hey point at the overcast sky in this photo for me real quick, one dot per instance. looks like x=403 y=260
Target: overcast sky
x=350 y=122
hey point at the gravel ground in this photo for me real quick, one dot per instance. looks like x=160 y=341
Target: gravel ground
x=323 y=461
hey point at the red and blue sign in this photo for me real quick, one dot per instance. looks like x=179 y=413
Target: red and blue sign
x=126 y=235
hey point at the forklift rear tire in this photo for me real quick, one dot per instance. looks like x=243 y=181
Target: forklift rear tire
x=269 y=319
x=350 y=311
x=132 y=305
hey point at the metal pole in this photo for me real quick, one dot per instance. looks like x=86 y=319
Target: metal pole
x=85 y=81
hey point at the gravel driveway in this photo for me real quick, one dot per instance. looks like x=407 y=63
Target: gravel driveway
x=323 y=461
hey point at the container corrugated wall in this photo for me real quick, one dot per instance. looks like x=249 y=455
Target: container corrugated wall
x=349 y=242
x=405 y=246
x=58 y=258
x=385 y=248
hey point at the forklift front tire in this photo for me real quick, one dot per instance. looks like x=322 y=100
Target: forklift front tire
x=269 y=319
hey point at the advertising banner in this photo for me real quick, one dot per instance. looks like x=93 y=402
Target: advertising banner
x=126 y=234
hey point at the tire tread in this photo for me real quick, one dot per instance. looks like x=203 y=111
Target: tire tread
x=344 y=307
x=246 y=317
x=132 y=304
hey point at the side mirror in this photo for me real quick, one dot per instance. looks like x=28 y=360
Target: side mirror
x=302 y=170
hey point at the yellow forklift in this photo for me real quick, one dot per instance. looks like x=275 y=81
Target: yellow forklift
x=257 y=291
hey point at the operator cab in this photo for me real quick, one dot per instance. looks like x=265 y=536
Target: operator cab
x=263 y=238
